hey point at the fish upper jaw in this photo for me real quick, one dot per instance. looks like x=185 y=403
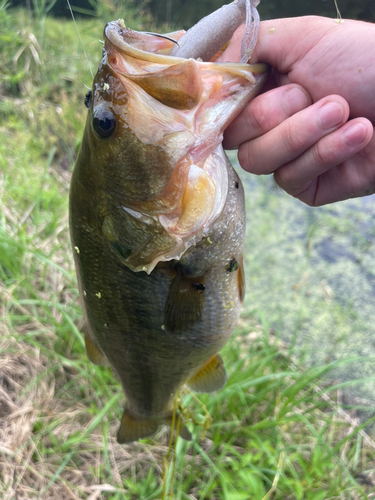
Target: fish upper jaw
x=141 y=45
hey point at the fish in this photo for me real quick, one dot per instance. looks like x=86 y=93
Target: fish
x=157 y=221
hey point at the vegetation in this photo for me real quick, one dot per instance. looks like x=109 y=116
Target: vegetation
x=277 y=429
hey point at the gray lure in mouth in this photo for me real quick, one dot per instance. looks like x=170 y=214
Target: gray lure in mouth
x=212 y=32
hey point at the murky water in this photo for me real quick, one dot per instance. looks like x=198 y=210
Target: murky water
x=311 y=277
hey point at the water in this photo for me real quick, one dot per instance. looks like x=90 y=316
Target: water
x=310 y=274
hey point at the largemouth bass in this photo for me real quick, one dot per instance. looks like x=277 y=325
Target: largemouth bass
x=157 y=221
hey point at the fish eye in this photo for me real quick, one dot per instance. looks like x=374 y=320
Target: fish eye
x=104 y=123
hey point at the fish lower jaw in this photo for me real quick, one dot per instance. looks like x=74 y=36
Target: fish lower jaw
x=201 y=205
x=203 y=200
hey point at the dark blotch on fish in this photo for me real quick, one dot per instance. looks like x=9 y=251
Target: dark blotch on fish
x=199 y=287
x=233 y=266
x=88 y=99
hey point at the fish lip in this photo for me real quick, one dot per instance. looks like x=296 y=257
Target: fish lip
x=114 y=34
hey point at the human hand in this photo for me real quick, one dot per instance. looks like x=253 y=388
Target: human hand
x=314 y=128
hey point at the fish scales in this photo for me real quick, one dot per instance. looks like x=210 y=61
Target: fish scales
x=157 y=221
x=145 y=298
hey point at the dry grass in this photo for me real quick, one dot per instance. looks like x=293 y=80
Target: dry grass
x=28 y=395
x=40 y=411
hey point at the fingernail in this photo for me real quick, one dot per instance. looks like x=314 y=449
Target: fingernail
x=293 y=100
x=330 y=115
x=355 y=134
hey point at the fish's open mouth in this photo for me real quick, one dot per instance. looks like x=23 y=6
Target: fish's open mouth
x=144 y=46
x=182 y=106
x=206 y=93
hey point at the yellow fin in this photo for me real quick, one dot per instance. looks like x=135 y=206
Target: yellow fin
x=241 y=281
x=94 y=354
x=132 y=429
x=211 y=377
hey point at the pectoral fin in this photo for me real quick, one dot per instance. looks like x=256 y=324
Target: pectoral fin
x=211 y=377
x=94 y=354
x=185 y=302
x=183 y=431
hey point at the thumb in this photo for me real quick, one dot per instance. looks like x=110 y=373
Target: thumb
x=281 y=42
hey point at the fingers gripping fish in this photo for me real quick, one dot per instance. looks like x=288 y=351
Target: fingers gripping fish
x=157 y=221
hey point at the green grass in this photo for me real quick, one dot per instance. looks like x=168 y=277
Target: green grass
x=275 y=433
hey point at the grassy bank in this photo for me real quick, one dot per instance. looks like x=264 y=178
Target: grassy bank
x=277 y=430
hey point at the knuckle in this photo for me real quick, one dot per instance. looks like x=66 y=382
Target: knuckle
x=284 y=178
x=321 y=154
x=243 y=156
x=258 y=116
x=247 y=158
x=293 y=141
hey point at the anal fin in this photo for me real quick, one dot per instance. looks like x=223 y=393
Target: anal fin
x=94 y=354
x=211 y=377
x=132 y=428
